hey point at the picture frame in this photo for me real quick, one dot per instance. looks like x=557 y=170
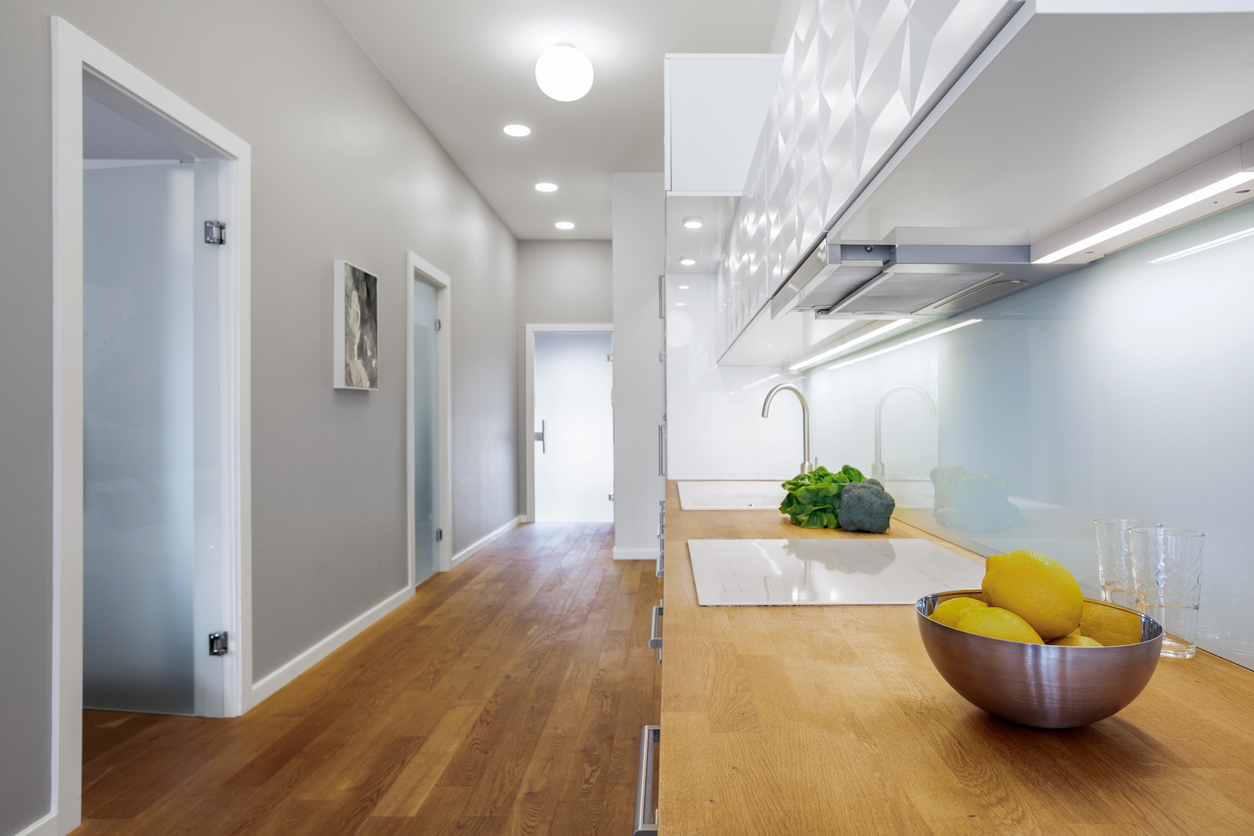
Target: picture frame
x=355 y=327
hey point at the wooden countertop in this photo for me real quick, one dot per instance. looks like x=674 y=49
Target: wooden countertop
x=820 y=720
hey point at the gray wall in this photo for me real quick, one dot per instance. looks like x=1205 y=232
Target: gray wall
x=558 y=282
x=342 y=169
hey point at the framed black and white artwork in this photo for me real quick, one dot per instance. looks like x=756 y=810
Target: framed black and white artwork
x=355 y=327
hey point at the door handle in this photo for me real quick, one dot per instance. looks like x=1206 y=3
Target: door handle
x=540 y=435
x=646 y=813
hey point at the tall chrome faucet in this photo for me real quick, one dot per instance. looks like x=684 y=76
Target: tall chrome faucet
x=805 y=419
x=877 y=468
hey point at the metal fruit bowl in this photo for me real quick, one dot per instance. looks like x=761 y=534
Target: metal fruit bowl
x=1039 y=685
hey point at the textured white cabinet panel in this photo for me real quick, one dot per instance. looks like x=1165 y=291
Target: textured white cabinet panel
x=855 y=77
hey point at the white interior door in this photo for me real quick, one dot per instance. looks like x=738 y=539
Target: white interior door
x=575 y=460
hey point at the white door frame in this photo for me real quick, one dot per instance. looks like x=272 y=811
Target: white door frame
x=529 y=418
x=72 y=53
x=418 y=269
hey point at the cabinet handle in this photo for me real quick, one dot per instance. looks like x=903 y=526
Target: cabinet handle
x=661 y=464
x=661 y=561
x=649 y=737
x=655 y=638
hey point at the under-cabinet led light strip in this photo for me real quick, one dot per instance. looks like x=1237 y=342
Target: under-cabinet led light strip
x=906 y=343
x=1149 y=217
x=859 y=340
x=1218 y=242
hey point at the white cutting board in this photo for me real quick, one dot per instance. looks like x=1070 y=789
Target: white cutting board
x=767 y=573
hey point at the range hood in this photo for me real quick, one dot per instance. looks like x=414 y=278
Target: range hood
x=885 y=281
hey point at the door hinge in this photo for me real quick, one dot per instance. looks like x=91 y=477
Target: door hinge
x=217 y=644
x=661 y=356
x=438 y=325
x=609 y=358
x=439 y=534
x=611 y=497
x=215 y=232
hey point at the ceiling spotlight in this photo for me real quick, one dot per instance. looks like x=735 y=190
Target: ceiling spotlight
x=546 y=187
x=687 y=262
x=564 y=73
x=693 y=222
x=564 y=225
x=517 y=130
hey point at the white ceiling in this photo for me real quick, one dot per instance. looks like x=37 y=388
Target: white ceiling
x=466 y=67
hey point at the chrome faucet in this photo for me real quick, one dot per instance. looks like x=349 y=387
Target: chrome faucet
x=877 y=468
x=805 y=419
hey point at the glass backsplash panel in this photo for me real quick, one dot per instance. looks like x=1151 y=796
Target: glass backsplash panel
x=1125 y=389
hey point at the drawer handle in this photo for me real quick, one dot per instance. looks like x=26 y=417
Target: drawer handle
x=649 y=737
x=655 y=637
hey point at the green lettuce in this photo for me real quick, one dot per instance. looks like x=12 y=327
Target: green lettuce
x=813 y=499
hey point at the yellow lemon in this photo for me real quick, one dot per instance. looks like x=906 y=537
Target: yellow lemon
x=1110 y=625
x=998 y=624
x=1071 y=640
x=949 y=612
x=1036 y=588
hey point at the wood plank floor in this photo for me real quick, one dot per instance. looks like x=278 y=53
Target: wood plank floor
x=506 y=698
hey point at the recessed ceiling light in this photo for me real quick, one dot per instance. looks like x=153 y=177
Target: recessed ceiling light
x=687 y=262
x=564 y=73
x=546 y=187
x=517 y=130
x=693 y=222
x=564 y=225
x=683 y=287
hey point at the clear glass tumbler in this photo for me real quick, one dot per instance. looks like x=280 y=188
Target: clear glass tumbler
x=1114 y=559
x=1168 y=567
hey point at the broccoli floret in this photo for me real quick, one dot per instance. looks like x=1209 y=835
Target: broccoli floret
x=865 y=506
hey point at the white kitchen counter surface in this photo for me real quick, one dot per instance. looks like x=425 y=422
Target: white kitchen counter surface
x=730 y=495
x=823 y=571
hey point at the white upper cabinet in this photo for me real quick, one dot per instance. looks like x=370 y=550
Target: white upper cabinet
x=985 y=122
x=715 y=108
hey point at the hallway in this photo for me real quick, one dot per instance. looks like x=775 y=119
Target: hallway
x=506 y=697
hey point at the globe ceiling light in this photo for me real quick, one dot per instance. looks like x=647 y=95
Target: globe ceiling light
x=517 y=130
x=564 y=225
x=546 y=187
x=564 y=73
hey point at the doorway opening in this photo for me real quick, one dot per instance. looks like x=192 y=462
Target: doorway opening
x=570 y=460
x=429 y=469
x=151 y=536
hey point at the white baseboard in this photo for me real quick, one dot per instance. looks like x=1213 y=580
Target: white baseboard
x=635 y=554
x=271 y=683
x=479 y=544
x=47 y=826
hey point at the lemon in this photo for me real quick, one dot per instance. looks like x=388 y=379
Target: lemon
x=1110 y=625
x=998 y=623
x=1071 y=640
x=1036 y=588
x=949 y=612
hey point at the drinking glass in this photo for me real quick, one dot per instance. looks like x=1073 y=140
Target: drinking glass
x=1114 y=559
x=1168 y=567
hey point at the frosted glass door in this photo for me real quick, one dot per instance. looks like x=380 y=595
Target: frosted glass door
x=425 y=460
x=150 y=438
x=575 y=462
